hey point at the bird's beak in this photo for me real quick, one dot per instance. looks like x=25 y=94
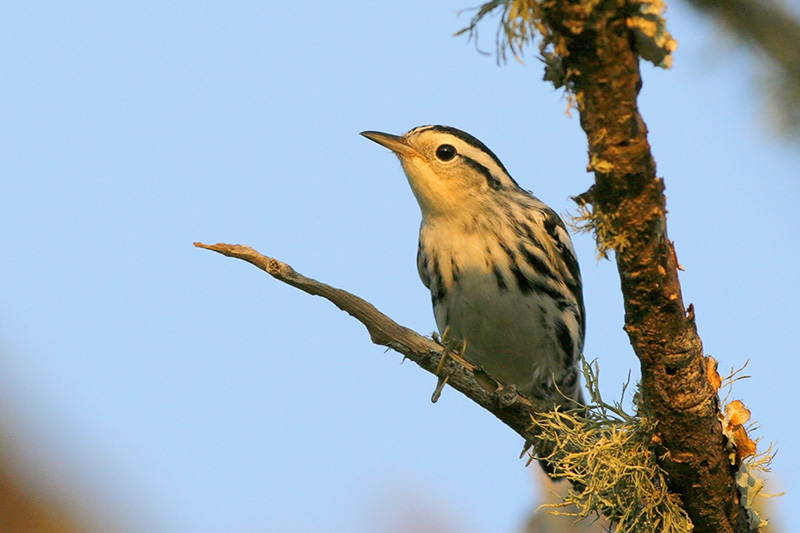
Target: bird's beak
x=394 y=143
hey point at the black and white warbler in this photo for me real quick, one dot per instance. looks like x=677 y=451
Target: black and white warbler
x=499 y=264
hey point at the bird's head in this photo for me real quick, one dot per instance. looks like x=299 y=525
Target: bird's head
x=446 y=168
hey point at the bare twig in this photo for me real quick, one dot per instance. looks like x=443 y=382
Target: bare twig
x=511 y=408
x=603 y=452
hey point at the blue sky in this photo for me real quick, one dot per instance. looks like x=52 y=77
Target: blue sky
x=177 y=390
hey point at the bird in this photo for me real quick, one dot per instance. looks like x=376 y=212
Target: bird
x=499 y=263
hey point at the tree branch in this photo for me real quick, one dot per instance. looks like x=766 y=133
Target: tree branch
x=512 y=409
x=604 y=453
x=629 y=212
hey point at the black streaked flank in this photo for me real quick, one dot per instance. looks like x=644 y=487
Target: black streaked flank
x=422 y=266
x=552 y=292
x=565 y=340
x=454 y=269
x=525 y=285
x=438 y=290
x=509 y=252
x=551 y=225
x=538 y=265
x=523 y=229
x=580 y=312
x=572 y=263
x=498 y=274
x=564 y=304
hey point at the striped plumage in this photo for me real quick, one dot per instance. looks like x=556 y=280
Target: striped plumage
x=499 y=264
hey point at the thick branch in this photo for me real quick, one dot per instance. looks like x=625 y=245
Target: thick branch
x=511 y=408
x=630 y=208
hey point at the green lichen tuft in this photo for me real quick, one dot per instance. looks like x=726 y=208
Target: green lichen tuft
x=606 y=455
x=523 y=22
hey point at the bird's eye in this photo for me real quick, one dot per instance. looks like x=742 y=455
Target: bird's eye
x=446 y=152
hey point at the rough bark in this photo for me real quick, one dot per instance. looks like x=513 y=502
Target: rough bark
x=628 y=202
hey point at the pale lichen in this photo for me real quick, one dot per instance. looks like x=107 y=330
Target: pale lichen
x=742 y=451
x=523 y=22
x=606 y=455
x=600 y=225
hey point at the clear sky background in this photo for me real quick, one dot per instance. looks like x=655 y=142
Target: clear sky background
x=181 y=391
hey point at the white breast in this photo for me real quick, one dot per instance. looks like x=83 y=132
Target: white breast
x=510 y=335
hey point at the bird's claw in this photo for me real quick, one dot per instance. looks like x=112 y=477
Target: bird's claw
x=445 y=354
x=439 y=386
